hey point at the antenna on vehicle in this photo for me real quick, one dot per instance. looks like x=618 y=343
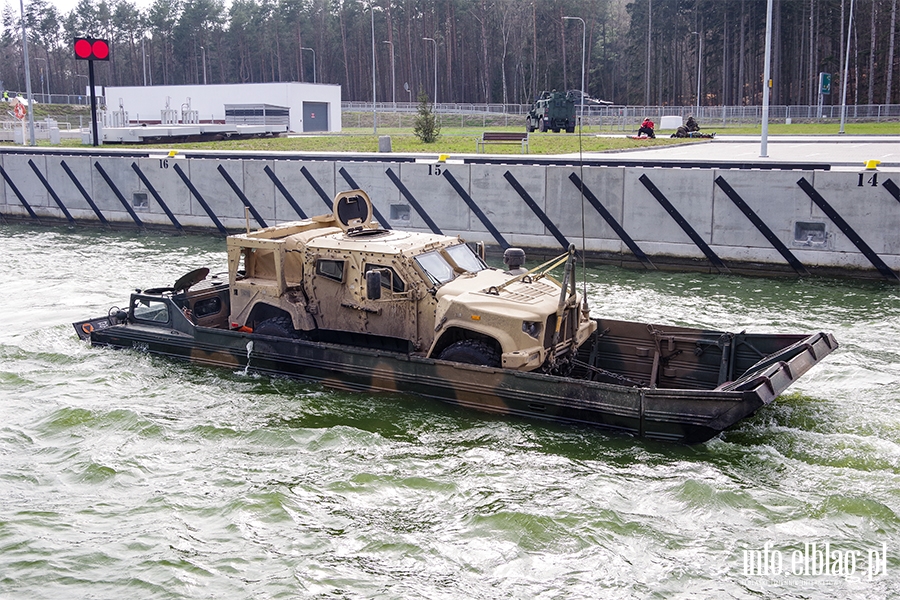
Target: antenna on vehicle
x=581 y=189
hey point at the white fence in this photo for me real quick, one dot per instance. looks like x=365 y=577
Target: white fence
x=624 y=117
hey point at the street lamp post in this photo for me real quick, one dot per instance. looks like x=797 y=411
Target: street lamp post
x=45 y=94
x=203 y=55
x=27 y=76
x=434 y=100
x=77 y=75
x=846 y=70
x=374 y=105
x=314 y=62
x=393 y=79
x=583 y=38
x=699 y=58
x=649 y=31
x=767 y=73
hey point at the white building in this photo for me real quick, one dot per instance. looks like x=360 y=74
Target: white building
x=313 y=106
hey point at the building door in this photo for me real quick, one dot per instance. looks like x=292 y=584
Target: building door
x=315 y=116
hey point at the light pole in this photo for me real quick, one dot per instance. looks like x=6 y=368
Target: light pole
x=434 y=100
x=583 y=37
x=203 y=55
x=699 y=58
x=649 y=30
x=77 y=75
x=27 y=76
x=374 y=106
x=144 y=58
x=846 y=70
x=42 y=77
x=393 y=80
x=764 y=138
x=314 y=61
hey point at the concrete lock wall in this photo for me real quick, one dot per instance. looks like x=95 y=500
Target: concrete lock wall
x=712 y=219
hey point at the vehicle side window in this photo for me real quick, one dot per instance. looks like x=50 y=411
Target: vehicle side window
x=207 y=307
x=465 y=259
x=399 y=285
x=150 y=310
x=332 y=269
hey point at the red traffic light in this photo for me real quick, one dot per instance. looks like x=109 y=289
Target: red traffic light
x=91 y=49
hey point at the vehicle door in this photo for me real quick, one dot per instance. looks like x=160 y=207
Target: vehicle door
x=394 y=313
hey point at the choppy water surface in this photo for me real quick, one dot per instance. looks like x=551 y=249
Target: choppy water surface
x=125 y=475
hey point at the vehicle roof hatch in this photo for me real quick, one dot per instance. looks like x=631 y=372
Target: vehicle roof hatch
x=353 y=211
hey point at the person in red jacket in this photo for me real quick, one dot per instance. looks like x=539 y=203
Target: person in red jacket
x=646 y=128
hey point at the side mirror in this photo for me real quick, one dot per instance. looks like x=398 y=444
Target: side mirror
x=373 y=285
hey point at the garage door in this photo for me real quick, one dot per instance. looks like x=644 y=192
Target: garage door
x=315 y=116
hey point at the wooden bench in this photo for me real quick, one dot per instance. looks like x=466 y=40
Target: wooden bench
x=503 y=137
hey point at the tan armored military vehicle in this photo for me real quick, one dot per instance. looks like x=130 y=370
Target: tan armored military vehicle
x=334 y=299
x=339 y=278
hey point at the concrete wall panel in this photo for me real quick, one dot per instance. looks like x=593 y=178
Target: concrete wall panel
x=290 y=173
x=371 y=178
x=7 y=198
x=161 y=174
x=216 y=192
x=775 y=198
x=123 y=177
x=434 y=194
x=16 y=167
x=260 y=191
x=564 y=202
x=438 y=198
x=869 y=209
x=685 y=249
x=68 y=193
x=688 y=190
x=500 y=202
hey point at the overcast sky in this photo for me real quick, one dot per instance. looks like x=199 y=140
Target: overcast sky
x=66 y=6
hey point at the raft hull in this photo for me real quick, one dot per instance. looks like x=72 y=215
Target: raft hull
x=669 y=414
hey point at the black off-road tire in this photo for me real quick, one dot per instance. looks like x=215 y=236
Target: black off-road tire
x=472 y=352
x=276 y=327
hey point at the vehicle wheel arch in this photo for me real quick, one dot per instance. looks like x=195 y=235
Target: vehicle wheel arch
x=265 y=312
x=451 y=335
x=269 y=308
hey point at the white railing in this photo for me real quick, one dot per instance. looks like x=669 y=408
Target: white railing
x=625 y=117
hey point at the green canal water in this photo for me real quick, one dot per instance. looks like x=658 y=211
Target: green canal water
x=124 y=475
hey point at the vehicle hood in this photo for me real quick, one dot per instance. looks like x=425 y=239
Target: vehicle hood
x=474 y=291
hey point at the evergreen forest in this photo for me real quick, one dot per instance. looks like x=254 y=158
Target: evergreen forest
x=638 y=52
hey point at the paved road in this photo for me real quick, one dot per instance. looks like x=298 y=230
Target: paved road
x=838 y=151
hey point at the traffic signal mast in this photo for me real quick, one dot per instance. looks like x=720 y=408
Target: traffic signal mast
x=91 y=49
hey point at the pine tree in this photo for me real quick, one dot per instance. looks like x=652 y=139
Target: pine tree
x=426 y=126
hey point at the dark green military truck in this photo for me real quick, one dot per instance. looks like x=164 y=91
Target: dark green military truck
x=553 y=111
